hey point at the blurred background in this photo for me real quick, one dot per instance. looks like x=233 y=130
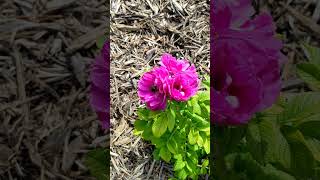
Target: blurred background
x=46 y=122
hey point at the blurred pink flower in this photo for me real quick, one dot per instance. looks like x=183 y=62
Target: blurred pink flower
x=246 y=62
x=99 y=92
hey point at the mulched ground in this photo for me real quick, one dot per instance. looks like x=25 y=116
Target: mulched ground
x=141 y=31
x=46 y=123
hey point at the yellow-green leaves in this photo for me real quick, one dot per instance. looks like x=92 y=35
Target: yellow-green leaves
x=160 y=125
x=172 y=146
x=162 y=122
x=180 y=134
x=179 y=165
x=165 y=154
x=171 y=119
x=192 y=137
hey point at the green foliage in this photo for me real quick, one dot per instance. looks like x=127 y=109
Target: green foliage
x=98 y=163
x=280 y=143
x=180 y=134
x=310 y=71
x=312 y=53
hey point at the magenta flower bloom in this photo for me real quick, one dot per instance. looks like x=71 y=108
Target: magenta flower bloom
x=151 y=89
x=163 y=80
x=246 y=62
x=99 y=92
x=183 y=86
x=183 y=80
x=176 y=66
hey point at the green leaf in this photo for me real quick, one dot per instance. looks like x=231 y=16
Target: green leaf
x=302 y=159
x=199 y=121
x=146 y=114
x=314 y=147
x=203 y=96
x=278 y=150
x=98 y=163
x=299 y=108
x=194 y=176
x=206 y=83
x=203 y=170
x=246 y=167
x=311 y=127
x=310 y=73
x=147 y=133
x=156 y=154
x=158 y=142
x=313 y=53
x=165 y=154
x=143 y=113
x=233 y=136
x=205 y=109
x=171 y=119
x=206 y=146
x=205 y=163
x=195 y=106
x=191 y=137
x=192 y=155
x=182 y=174
x=140 y=125
x=201 y=138
x=160 y=125
x=172 y=146
x=257 y=146
x=191 y=166
x=178 y=156
x=272 y=173
x=179 y=165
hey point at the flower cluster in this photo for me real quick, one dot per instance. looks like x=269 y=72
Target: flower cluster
x=174 y=79
x=246 y=62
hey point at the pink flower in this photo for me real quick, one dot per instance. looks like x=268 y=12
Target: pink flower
x=246 y=62
x=183 y=78
x=151 y=89
x=176 y=66
x=183 y=86
x=163 y=80
x=174 y=79
x=99 y=92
